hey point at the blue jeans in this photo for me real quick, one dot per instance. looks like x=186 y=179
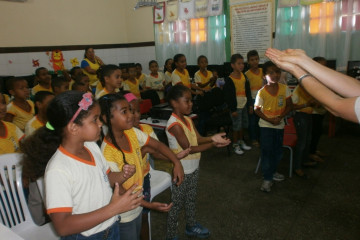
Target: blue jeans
x=131 y=230
x=254 y=128
x=111 y=233
x=303 y=125
x=271 y=141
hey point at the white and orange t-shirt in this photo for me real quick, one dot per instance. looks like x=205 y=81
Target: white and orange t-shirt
x=136 y=139
x=77 y=186
x=9 y=143
x=33 y=125
x=201 y=78
x=240 y=90
x=300 y=97
x=21 y=117
x=156 y=83
x=191 y=162
x=178 y=77
x=272 y=105
x=255 y=80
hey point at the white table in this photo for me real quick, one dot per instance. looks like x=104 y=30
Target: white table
x=7 y=234
x=159 y=123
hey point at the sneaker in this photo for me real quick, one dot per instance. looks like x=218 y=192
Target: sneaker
x=244 y=146
x=278 y=177
x=197 y=231
x=238 y=150
x=266 y=186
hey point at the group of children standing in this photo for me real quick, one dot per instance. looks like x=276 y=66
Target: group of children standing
x=104 y=192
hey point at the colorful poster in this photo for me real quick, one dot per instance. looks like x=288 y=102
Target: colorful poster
x=172 y=11
x=215 y=7
x=251 y=27
x=159 y=13
x=288 y=3
x=186 y=9
x=201 y=8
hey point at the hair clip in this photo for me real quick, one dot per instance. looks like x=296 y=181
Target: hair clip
x=49 y=126
x=84 y=104
x=130 y=97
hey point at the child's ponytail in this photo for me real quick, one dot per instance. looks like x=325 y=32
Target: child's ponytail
x=39 y=147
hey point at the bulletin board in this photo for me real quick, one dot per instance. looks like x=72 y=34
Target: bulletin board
x=251 y=26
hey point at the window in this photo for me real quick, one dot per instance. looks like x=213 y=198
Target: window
x=290 y=19
x=163 y=32
x=180 y=31
x=217 y=27
x=350 y=13
x=321 y=17
x=198 y=30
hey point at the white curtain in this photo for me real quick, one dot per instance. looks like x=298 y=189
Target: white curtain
x=193 y=37
x=330 y=29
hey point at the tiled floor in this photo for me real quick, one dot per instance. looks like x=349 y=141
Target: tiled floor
x=230 y=204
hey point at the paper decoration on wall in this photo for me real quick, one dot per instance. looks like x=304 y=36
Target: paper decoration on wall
x=10 y=62
x=215 y=7
x=309 y=2
x=35 y=63
x=201 y=8
x=288 y=3
x=74 y=62
x=57 y=60
x=159 y=13
x=172 y=11
x=186 y=9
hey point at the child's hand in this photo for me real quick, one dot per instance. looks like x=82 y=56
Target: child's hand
x=125 y=202
x=183 y=153
x=128 y=170
x=251 y=109
x=220 y=138
x=178 y=174
x=234 y=114
x=276 y=121
x=219 y=145
x=161 y=207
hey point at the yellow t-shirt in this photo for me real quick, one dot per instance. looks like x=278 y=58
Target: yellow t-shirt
x=240 y=90
x=168 y=77
x=114 y=157
x=10 y=142
x=103 y=92
x=300 y=97
x=132 y=87
x=21 y=117
x=141 y=80
x=255 y=80
x=178 y=77
x=272 y=105
x=201 y=78
x=191 y=162
x=92 y=77
x=32 y=125
x=99 y=87
x=145 y=164
x=39 y=88
x=7 y=99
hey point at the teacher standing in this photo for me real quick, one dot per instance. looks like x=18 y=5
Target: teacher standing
x=90 y=65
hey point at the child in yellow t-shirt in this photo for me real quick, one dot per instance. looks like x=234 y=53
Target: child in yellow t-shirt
x=203 y=77
x=19 y=110
x=168 y=70
x=59 y=85
x=43 y=79
x=255 y=76
x=123 y=146
x=74 y=73
x=41 y=100
x=132 y=84
x=272 y=104
x=110 y=78
x=140 y=77
x=10 y=135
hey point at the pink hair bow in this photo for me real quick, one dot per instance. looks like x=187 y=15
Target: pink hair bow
x=84 y=104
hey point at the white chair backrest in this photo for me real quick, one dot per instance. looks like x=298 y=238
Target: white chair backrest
x=13 y=206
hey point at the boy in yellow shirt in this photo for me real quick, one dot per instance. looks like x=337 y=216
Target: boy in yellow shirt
x=42 y=100
x=255 y=76
x=272 y=104
x=132 y=84
x=20 y=110
x=59 y=85
x=43 y=78
x=10 y=135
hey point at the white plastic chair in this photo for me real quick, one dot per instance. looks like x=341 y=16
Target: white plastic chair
x=13 y=207
x=159 y=182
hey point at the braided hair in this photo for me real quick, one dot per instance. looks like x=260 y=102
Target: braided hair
x=106 y=104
